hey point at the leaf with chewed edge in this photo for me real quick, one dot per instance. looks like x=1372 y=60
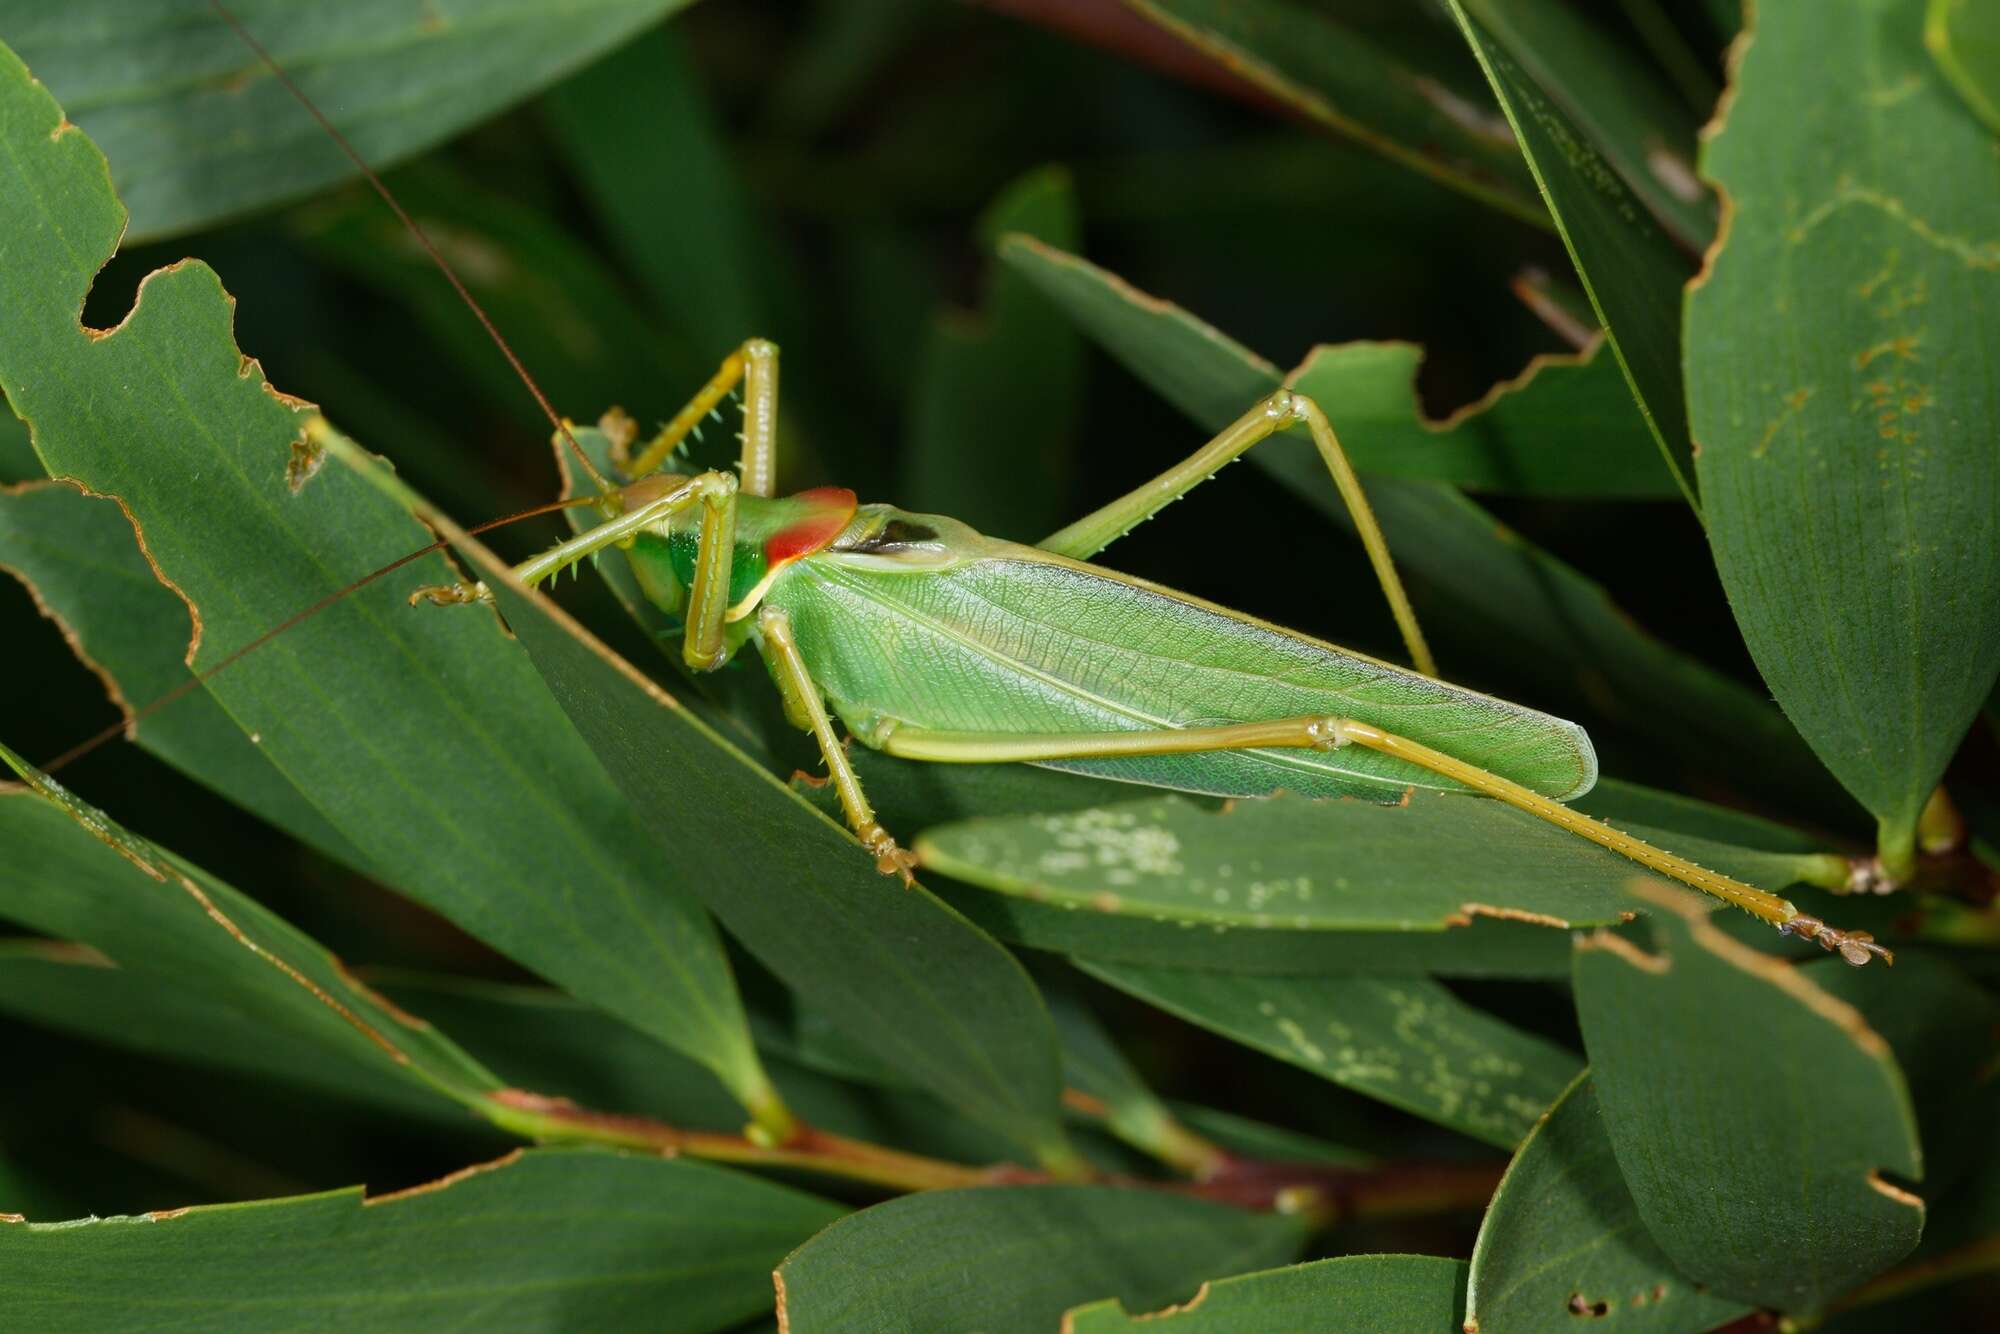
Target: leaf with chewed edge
x=1629 y=266
x=1563 y=1239
x=548 y=1238
x=904 y=975
x=1752 y=1113
x=1840 y=354
x=427 y=741
x=1406 y=1041
x=1017 y=1257
x=1384 y=1294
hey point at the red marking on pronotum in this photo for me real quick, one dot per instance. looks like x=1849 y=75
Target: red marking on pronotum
x=832 y=509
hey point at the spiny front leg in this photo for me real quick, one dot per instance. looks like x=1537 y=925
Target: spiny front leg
x=804 y=704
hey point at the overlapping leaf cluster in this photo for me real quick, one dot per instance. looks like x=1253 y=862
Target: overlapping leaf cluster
x=1276 y=1075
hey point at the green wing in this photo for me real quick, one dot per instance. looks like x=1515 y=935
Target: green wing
x=977 y=635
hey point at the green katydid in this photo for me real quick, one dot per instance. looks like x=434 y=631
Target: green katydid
x=933 y=642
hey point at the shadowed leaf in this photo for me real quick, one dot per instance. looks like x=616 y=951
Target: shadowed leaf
x=1628 y=265
x=1964 y=39
x=72 y=873
x=197 y=129
x=996 y=394
x=1336 y=77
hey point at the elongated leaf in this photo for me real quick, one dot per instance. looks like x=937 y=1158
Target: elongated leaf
x=197 y=129
x=72 y=873
x=1757 y=1166
x=644 y=142
x=1430 y=864
x=1094 y=1068
x=1562 y=1239
x=906 y=977
x=1630 y=268
x=78 y=990
x=1617 y=99
x=1407 y=1041
x=1840 y=359
x=1522 y=608
x=1487 y=948
x=82 y=560
x=544 y=1239
x=1566 y=426
x=1964 y=39
x=1339 y=79
x=1392 y=1294
x=1015 y=1257
x=994 y=413
x=426 y=741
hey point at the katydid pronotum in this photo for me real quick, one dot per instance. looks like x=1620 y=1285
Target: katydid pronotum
x=933 y=642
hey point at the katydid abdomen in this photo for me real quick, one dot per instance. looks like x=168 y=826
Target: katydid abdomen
x=963 y=633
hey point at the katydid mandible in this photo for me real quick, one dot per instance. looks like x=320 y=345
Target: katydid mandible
x=933 y=642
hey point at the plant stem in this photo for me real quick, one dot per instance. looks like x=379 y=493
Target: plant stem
x=1319 y=1193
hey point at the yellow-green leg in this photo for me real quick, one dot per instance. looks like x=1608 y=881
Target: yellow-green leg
x=1327 y=732
x=1098 y=530
x=708 y=595
x=754 y=366
x=805 y=706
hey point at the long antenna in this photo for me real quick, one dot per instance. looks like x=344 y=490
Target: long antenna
x=207 y=674
x=444 y=267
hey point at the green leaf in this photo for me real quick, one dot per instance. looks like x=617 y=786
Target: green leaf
x=1756 y=1164
x=1430 y=864
x=1387 y=1294
x=198 y=129
x=1338 y=78
x=1563 y=1239
x=564 y=312
x=644 y=141
x=993 y=417
x=1840 y=359
x=1487 y=948
x=80 y=557
x=539 y=1239
x=1631 y=269
x=904 y=975
x=427 y=741
x=1405 y=1041
x=1964 y=39
x=71 y=872
x=17 y=458
x=78 y=991
x=1017 y=1257
x=1094 y=1067
x=1524 y=611
x=1615 y=97
x=1566 y=426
